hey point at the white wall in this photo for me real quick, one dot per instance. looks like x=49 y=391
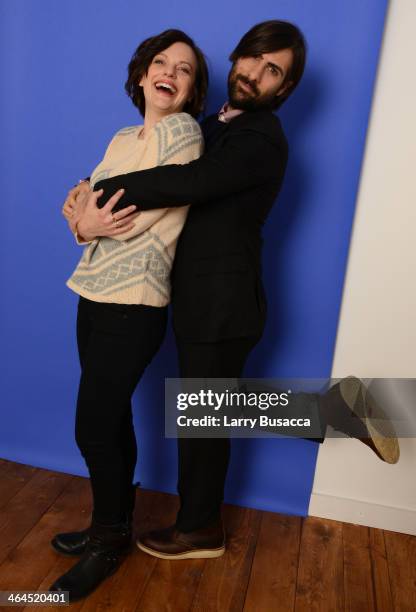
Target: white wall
x=377 y=327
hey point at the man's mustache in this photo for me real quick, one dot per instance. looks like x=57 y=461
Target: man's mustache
x=246 y=81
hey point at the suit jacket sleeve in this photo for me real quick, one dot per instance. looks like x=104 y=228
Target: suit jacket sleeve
x=247 y=158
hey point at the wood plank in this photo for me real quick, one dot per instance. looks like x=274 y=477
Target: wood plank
x=320 y=585
x=358 y=582
x=224 y=580
x=25 y=508
x=380 y=571
x=13 y=477
x=172 y=587
x=28 y=564
x=273 y=576
x=401 y=557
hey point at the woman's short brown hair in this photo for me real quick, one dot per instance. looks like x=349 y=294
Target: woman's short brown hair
x=142 y=58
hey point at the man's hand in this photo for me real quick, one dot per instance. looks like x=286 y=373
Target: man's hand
x=74 y=199
x=101 y=221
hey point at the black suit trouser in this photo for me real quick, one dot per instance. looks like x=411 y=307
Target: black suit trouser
x=203 y=462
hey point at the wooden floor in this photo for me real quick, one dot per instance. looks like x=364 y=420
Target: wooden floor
x=273 y=563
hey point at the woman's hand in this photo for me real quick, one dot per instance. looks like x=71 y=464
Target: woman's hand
x=78 y=210
x=96 y=221
x=74 y=200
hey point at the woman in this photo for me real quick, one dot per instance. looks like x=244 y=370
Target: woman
x=124 y=289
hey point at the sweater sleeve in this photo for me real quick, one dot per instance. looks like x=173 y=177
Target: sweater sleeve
x=248 y=157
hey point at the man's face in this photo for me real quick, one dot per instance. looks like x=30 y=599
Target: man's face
x=254 y=82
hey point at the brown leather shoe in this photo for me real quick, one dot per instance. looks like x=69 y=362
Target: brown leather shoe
x=169 y=543
x=379 y=431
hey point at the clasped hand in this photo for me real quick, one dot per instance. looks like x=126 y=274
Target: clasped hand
x=84 y=217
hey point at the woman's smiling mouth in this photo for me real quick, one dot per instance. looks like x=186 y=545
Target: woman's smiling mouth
x=165 y=87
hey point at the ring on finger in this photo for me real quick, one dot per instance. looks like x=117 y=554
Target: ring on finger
x=115 y=221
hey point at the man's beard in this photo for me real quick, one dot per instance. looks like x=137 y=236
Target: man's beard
x=247 y=101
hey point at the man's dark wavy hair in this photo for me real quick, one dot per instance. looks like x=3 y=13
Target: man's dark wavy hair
x=142 y=58
x=271 y=36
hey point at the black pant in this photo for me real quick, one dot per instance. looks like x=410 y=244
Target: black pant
x=203 y=462
x=116 y=342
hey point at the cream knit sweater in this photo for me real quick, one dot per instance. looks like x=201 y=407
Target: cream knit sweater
x=134 y=267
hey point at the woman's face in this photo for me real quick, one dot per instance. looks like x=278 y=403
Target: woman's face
x=169 y=82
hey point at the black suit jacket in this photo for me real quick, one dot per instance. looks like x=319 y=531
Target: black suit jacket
x=217 y=292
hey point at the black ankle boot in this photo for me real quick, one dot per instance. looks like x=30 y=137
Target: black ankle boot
x=74 y=543
x=104 y=553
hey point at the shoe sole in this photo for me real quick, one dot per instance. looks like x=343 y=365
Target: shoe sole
x=381 y=432
x=209 y=553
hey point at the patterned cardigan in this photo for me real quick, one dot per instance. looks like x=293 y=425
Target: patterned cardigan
x=134 y=267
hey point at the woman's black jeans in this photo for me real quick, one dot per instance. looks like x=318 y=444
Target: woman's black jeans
x=116 y=342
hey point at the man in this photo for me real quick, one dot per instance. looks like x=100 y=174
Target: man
x=219 y=306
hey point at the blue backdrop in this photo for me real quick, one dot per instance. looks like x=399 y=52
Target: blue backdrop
x=63 y=71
